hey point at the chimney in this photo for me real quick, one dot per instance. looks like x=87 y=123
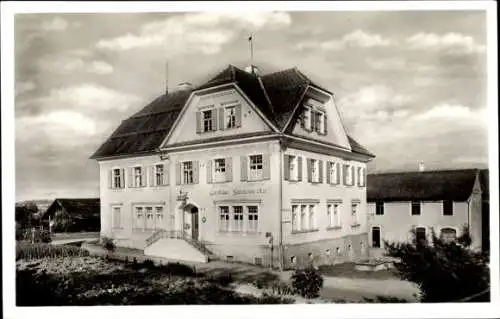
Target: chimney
x=421 y=166
x=252 y=69
x=184 y=86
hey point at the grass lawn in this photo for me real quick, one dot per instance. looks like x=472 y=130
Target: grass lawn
x=347 y=270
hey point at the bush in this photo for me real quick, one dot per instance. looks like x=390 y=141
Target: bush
x=108 y=244
x=224 y=279
x=444 y=271
x=307 y=282
x=43 y=250
x=38 y=235
x=281 y=288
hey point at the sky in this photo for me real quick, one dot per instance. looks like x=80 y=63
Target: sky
x=410 y=85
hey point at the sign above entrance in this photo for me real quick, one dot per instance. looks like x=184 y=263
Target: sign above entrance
x=237 y=191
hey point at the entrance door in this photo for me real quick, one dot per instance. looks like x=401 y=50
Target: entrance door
x=376 y=237
x=194 y=223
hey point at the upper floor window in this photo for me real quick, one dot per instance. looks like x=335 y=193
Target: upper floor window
x=361 y=176
x=220 y=170
x=230 y=116
x=415 y=208
x=379 y=208
x=187 y=172
x=314 y=168
x=307 y=118
x=333 y=172
x=159 y=174
x=138 y=176
x=348 y=174
x=207 y=120
x=354 y=213
x=293 y=167
x=256 y=167
x=117 y=178
x=448 y=208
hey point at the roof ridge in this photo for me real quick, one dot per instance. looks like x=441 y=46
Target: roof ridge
x=428 y=171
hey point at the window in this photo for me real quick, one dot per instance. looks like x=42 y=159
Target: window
x=420 y=235
x=307 y=118
x=149 y=218
x=361 y=176
x=314 y=171
x=118 y=178
x=312 y=220
x=379 y=208
x=220 y=170
x=116 y=211
x=256 y=167
x=253 y=218
x=159 y=217
x=237 y=218
x=187 y=172
x=448 y=234
x=293 y=167
x=337 y=251
x=415 y=208
x=207 y=121
x=327 y=252
x=138 y=176
x=448 y=208
x=295 y=218
x=230 y=115
x=354 y=213
x=333 y=215
x=348 y=171
x=303 y=216
x=319 y=123
x=376 y=237
x=159 y=174
x=293 y=260
x=333 y=172
x=310 y=256
x=223 y=218
x=139 y=218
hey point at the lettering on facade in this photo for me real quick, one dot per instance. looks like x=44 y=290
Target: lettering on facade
x=237 y=191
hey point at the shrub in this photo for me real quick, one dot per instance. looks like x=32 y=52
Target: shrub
x=108 y=244
x=307 y=282
x=38 y=235
x=43 y=250
x=148 y=263
x=444 y=271
x=224 y=279
x=177 y=269
x=281 y=288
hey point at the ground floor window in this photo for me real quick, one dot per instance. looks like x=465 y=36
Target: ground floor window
x=448 y=234
x=148 y=217
x=238 y=218
x=303 y=217
x=376 y=237
x=116 y=216
x=420 y=235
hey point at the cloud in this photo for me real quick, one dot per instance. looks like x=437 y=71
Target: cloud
x=67 y=64
x=56 y=24
x=449 y=112
x=201 y=32
x=22 y=87
x=398 y=64
x=355 y=39
x=452 y=43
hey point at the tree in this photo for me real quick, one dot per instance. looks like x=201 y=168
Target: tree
x=445 y=271
x=25 y=214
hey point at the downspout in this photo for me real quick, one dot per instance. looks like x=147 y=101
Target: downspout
x=280 y=243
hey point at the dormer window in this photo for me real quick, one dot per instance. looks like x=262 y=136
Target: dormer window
x=319 y=125
x=230 y=117
x=207 y=121
x=314 y=119
x=307 y=118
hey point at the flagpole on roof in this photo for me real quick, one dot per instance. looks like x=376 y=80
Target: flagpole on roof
x=250 y=39
x=166 y=77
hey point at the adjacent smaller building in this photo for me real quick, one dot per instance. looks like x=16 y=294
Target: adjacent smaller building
x=445 y=201
x=73 y=215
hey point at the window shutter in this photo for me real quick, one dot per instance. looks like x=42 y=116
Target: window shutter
x=214 y=120
x=122 y=178
x=328 y=172
x=325 y=124
x=151 y=175
x=320 y=165
x=178 y=173
x=130 y=177
x=266 y=171
x=238 y=115
x=144 y=175
x=344 y=173
x=353 y=175
x=166 y=175
x=299 y=164
x=302 y=119
x=364 y=176
x=313 y=121
x=110 y=178
x=309 y=171
x=198 y=122
x=359 y=176
x=196 y=172
x=243 y=168
x=221 y=119
x=209 y=171
x=229 y=169
x=337 y=170
x=287 y=167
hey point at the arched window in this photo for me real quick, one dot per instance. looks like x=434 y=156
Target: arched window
x=448 y=234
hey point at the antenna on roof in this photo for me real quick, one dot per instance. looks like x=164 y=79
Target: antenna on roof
x=166 y=77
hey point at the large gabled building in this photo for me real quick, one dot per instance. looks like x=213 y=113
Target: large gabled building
x=249 y=167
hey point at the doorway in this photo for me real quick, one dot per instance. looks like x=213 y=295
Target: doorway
x=376 y=237
x=194 y=223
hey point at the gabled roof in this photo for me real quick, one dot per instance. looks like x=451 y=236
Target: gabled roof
x=276 y=95
x=453 y=185
x=77 y=207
